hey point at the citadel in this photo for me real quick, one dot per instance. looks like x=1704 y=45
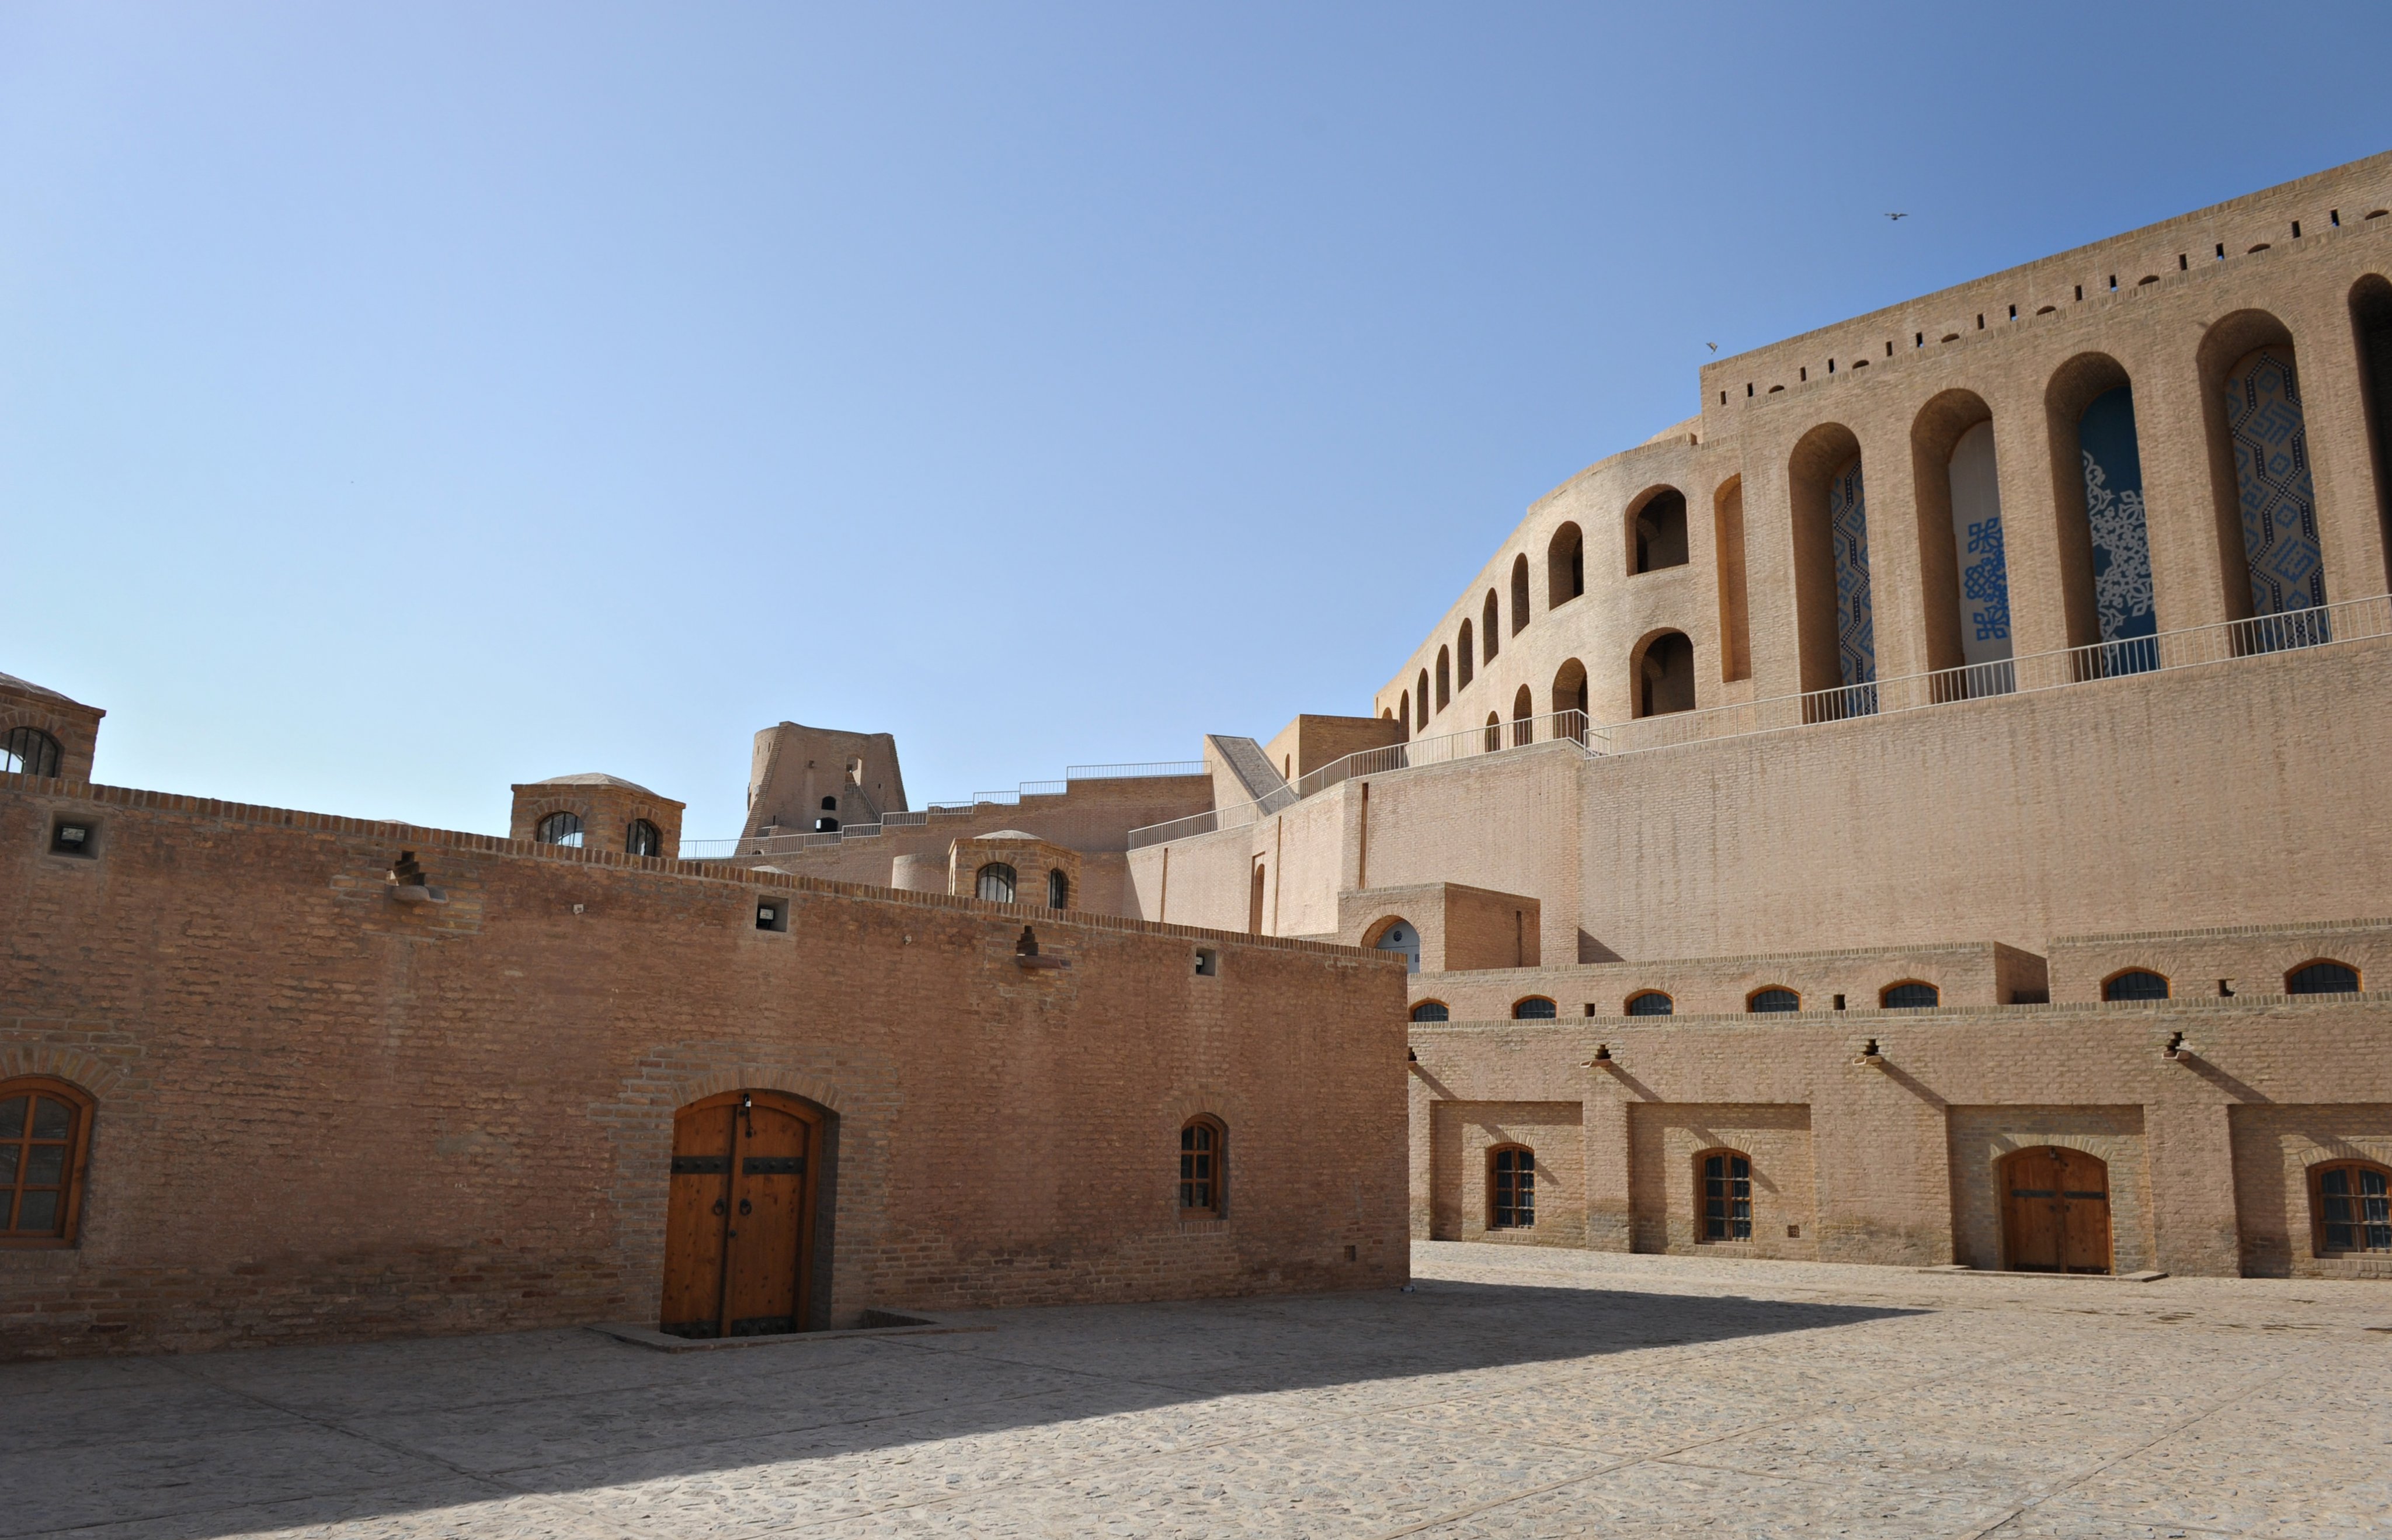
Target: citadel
x=1925 y=808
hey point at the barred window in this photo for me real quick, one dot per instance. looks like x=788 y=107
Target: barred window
x=2352 y=1200
x=2323 y=977
x=1651 y=1002
x=645 y=839
x=1536 y=1007
x=1910 y=995
x=29 y=752
x=559 y=829
x=1058 y=889
x=2136 y=983
x=1725 y=1195
x=1430 y=1010
x=1511 y=1187
x=1203 y=1146
x=1761 y=1002
x=45 y=1129
x=995 y=883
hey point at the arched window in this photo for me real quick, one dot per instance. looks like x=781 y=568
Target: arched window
x=559 y=829
x=1650 y=1003
x=2266 y=434
x=45 y=1138
x=1431 y=1010
x=2371 y=325
x=1909 y=995
x=1511 y=1187
x=1659 y=531
x=2352 y=1200
x=1835 y=611
x=1564 y=566
x=1422 y=719
x=1519 y=592
x=1465 y=660
x=830 y=804
x=1487 y=627
x=1665 y=675
x=1494 y=732
x=644 y=838
x=2136 y=983
x=1444 y=678
x=2323 y=977
x=29 y=752
x=1570 y=694
x=1723 y=1194
x=2124 y=618
x=1204 y=1166
x=1405 y=715
x=1763 y=1002
x=1536 y=1007
x=995 y=883
x=1403 y=938
x=1967 y=567
x=1058 y=889
x=1524 y=713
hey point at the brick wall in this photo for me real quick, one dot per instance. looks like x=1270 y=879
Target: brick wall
x=324 y=1114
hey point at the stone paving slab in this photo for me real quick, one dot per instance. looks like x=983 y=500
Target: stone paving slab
x=1516 y=1392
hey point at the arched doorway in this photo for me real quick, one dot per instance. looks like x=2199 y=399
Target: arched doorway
x=739 y=1224
x=2055 y=1211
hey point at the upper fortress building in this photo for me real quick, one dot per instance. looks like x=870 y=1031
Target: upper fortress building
x=1930 y=806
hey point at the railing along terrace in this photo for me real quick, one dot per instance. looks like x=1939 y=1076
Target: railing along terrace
x=1471 y=743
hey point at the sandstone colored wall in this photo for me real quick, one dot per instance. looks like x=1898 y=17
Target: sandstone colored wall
x=2206 y=1151
x=323 y=1114
x=1965 y=974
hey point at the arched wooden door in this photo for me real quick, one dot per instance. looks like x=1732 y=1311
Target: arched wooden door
x=2055 y=1211
x=739 y=1226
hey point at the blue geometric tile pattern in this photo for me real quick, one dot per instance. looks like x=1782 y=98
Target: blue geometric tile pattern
x=1855 y=620
x=2113 y=507
x=2272 y=467
x=1977 y=537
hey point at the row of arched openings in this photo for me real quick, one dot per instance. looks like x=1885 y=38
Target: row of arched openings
x=640 y=837
x=2319 y=976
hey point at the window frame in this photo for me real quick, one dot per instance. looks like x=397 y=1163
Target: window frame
x=1551 y=1010
x=981 y=882
x=46 y=745
x=1444 y=1011
x=1703 y=1197
x=540 y=827
x=2167 y=985
x=1497 y=1185
x=632 y=838
x=2316 y=1175
x=84 y=1108
x=1216 y=1183
x=1885 y=995
x=2357 y=979
x=1669 y=1004
x=1752 y=1009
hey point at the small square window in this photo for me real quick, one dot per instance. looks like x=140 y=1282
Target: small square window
x=1208 y=963
x=75 y=837
x=771 y=914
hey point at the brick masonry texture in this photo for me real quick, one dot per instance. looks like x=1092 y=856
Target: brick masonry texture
x=325 y=1114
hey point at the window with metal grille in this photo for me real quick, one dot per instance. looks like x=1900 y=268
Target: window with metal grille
x=1763 y=1002
x=2323 y=978
x=1431 y=1010
x=559 y=829
x=2352 y=1200
x=1203 y=1145
x=1652 y=1002
x=29 y=752
x=44 y=1128
x=2136 y=983
x=1911 y=995
x=1536 y=1007
x=995 y=883
x=645 y=839
x=1058 y=889
x=1511 y=1187
x=1726 y=1195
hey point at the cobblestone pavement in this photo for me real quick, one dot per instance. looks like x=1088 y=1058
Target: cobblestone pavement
x=1516 y=1393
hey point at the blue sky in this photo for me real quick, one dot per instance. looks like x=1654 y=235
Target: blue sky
x=396 y=402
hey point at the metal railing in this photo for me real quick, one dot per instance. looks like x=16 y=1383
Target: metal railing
x=1471 y=743
x=1126 y=772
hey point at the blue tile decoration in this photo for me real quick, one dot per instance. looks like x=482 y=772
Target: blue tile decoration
x=2122 y=552
x=2271 y=471
x=1976 y=543
x=1855 y=620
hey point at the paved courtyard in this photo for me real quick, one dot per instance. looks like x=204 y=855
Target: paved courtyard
x=1513 y=1392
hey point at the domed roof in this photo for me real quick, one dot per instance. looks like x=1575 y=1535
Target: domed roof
x=592 y=777
x=10 y=681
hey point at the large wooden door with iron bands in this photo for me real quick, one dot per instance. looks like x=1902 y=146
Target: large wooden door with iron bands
x=2055 y=1211
x=739 y=1226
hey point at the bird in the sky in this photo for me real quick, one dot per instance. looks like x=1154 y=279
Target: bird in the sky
x=1712 y=346
x=1897 y=217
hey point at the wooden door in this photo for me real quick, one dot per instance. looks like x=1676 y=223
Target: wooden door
x=740 y=1218
x=2055 y=1211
